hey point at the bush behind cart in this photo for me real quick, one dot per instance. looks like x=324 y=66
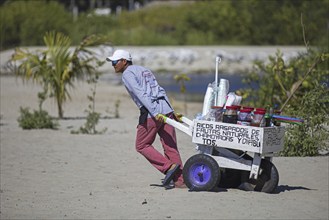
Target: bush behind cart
x=311 y=137
x=299 y=88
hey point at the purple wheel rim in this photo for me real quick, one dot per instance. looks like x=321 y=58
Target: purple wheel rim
x=199 y=174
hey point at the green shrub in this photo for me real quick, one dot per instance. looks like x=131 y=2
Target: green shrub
x=313 y=135
x=36 y=119
x=25 y=22
x=253 y=22
x=295 y=87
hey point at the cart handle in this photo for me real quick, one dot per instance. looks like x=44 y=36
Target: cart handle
x=186 y=128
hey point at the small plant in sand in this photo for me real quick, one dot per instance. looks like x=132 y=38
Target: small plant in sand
x=38 y=119
x=92 y=117
x=116 y=112
x=117 y=105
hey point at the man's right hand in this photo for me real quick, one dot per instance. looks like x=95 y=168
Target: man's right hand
x=161 y=118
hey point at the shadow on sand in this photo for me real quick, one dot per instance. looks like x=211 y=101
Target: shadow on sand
x=283 y=188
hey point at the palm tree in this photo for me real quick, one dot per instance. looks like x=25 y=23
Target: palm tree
x=57 y=67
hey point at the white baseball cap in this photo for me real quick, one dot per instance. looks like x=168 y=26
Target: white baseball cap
x=120 y=54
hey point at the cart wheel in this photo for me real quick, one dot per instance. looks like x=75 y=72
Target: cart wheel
x=266 y=182
x=201 y=173
x=230 y=178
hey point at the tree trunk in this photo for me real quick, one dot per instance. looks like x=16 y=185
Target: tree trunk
x=60 y=109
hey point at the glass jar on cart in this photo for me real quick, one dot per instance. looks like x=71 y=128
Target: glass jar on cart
x=230 y=115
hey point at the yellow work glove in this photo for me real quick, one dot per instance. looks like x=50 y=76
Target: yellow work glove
x=161 y=118
x=178 y=117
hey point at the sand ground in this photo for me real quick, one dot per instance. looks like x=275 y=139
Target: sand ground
x=52 y=174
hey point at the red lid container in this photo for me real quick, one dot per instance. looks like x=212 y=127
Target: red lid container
x=246 y=110
x=250 y=108
x=261 y=109
x=233 y=107
x=259 y=112
x=238 y=107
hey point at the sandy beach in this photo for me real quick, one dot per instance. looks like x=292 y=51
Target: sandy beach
x=53 y=174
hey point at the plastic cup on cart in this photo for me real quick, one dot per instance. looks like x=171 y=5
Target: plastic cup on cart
x=208 y=99
x=225 y=83
x=221 y=99
x=223 y=89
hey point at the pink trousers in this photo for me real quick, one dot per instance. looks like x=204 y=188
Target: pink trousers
x=146 y=134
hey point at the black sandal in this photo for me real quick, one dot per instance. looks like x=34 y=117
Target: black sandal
x=170 y=175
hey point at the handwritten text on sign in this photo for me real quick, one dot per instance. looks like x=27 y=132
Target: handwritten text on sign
x=255 y=139
x=211 y=133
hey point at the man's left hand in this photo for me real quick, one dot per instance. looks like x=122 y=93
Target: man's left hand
x=178 y=117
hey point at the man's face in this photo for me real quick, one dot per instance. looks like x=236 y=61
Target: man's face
x=119 y=65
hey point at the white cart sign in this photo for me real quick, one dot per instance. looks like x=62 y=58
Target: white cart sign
x=245 y=138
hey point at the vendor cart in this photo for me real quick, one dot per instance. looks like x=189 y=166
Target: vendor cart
x=241 y=154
